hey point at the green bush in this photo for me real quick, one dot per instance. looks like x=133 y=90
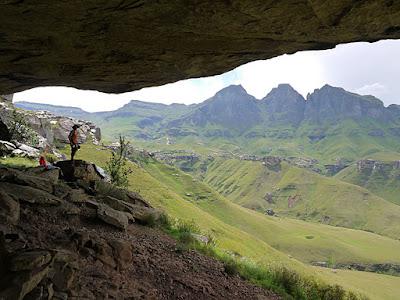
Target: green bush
x=117 y=165
x=20 y=130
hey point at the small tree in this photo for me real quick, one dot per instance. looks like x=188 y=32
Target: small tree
x=117 y=165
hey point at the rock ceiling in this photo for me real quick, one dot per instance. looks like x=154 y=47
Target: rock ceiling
x=119 y=46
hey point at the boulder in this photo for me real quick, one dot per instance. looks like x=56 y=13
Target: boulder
x=113 y=203
x=19 y=153
x=104 y=253
x=6 y=147
x=112 y=216
x=140 y=213
x=78 y=169
x=143 y=215
x=29 y=260
x=122 y=252
x=9 y=209
x=51 y=174
x=23 y=283
x=107 y=189
x=77 y=196
x=26 y=179
x=30 y=151
x=28 y=194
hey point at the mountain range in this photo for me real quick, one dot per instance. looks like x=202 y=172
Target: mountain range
x=330 y=122
x=272 y=206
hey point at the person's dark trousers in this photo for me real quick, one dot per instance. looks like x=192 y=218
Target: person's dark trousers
x=74 y=149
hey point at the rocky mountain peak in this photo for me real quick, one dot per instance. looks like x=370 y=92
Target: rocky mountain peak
x=325 y=92
x=231 y=107
x=231 y=91
x=333 y=103
x=284 y=104
x=283 y=93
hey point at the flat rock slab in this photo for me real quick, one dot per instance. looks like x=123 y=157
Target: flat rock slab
x=26 y=179
x=29 y=194
x=113 y=217
x=52 y=174
x=78 y=170
x=29 y=260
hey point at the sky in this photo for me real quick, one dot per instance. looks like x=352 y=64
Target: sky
x=363 y=68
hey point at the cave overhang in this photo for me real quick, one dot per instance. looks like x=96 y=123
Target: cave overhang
x=120 y=46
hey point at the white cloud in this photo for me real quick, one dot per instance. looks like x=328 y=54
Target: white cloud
x=301 y=70
x=371 y=89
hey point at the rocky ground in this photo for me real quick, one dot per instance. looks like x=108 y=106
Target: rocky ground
x=73 y=240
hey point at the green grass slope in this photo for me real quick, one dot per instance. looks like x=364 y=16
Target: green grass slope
x=299 y=193
x=267 y=240
x=383 y=181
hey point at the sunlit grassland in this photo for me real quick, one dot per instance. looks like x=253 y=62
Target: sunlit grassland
x=319 y=198
x=267 y=240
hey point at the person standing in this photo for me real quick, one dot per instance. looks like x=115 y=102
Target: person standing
x=73 y=140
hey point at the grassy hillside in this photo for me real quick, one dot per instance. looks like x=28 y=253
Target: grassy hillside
x=299 y=193
x=348 y=139
x=267 y=240
x=383 y=181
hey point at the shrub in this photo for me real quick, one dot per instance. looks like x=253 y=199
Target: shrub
x=149 y=220
x=20 y=130
x=117 y=165
x=165 y=222
x=51 y=158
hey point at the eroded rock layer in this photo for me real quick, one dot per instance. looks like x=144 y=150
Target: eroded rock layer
x=123 y=45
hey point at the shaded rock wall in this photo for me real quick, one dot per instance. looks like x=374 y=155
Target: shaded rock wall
x=118 y=46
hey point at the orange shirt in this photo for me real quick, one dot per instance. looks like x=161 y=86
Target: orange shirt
x=73 y=136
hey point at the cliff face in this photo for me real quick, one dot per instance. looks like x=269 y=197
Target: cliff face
x=27 y=133
x=332 y=103
x=56 y=128
x=119 y=46
x=284 y=105
x=231 y=108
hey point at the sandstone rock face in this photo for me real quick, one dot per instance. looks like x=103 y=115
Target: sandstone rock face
x=118 y=46
x=56 y=128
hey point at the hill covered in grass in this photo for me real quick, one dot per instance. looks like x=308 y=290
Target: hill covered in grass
x=249 y=234
x=297 y=192
x=379 y=177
